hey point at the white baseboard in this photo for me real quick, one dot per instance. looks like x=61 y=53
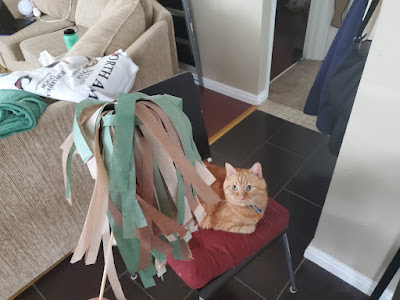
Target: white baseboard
x=344 y=272
x=233 y=92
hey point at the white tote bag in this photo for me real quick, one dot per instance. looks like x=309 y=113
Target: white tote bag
x=77 y=78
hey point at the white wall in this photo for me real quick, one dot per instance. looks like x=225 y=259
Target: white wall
x=266 y=45
x=233 y=39
x=360 y=221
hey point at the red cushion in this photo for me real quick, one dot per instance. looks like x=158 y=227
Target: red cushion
x=216 y=251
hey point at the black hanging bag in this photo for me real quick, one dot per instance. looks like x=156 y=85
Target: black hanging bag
x=344 y=84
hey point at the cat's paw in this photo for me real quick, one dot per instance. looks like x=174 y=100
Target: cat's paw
x=205 y=223
x=245 y=229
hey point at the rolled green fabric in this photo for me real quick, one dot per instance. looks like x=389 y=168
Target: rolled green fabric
x=19 y=111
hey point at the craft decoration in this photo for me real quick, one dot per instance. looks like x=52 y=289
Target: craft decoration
x=148 y=176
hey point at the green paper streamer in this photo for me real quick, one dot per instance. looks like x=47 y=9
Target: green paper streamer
x=147 y=276
x=129 y=248
x=79 y=140
x=181 y=198
x=68 y=176
x=177 y=250
x=123 y=174
x=158 y=255
x=108 y=120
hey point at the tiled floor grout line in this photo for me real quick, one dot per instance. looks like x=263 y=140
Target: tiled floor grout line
x=286 y=189
x=259 y=147
x=123 y=273
x=287 y=283
x=298 y=170
x=143 y=289
x=126 y=273
x=279 y=114
x=275 y=133
x=38 y=291
x=284 y=71
x=265 y=142
x=286 y=150
x=255 y=292
x=119 y=277
x=188 y=295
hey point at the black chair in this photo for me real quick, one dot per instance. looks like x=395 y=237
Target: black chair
x=183 y=86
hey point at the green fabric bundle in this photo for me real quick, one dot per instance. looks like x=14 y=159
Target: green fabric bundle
x=19 y=111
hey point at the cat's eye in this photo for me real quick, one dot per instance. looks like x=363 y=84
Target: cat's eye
x=249 y=188
x=234 y=187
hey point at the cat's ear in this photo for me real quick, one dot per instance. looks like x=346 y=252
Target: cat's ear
x=230 y=170
x=256 y=170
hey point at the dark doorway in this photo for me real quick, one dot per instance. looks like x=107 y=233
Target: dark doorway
x=290 y=31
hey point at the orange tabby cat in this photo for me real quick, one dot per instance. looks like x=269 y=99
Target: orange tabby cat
x=244 y=199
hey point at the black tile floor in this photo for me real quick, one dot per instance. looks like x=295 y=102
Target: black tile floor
x=298 y=168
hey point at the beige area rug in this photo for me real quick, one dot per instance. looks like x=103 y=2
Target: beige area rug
x=291 y=88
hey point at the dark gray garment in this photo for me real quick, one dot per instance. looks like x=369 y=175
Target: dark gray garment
x=342 y=91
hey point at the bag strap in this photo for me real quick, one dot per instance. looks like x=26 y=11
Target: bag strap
x=367 y=18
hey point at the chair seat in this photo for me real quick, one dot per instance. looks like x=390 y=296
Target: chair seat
x=215 y=252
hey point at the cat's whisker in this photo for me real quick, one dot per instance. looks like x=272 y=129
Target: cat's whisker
x=242 y=189
x=265 y=218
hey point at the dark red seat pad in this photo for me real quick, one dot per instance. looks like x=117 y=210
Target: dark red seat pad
x=215 y=251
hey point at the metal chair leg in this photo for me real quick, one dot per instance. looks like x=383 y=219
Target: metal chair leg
x=293 y=288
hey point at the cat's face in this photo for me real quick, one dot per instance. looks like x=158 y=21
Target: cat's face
x=244 y=186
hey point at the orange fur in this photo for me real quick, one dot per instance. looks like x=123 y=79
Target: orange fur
x=234 y=213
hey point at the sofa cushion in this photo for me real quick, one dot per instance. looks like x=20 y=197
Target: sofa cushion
x=59 y=10
x=121 y=23
x=133 y=23
x=148 y=12
x=9 y=45
x=88 y=12
x=52 y=42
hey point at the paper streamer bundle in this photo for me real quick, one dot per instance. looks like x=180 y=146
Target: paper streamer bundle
x=148 y=176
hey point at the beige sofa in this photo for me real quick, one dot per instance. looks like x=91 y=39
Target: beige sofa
x=37 y=226
x=144 y=30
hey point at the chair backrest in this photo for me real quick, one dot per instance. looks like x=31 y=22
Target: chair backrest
x=183 y=86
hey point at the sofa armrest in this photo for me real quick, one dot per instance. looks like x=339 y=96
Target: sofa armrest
x=37 y=225
x=151 y=52
x=161 y=13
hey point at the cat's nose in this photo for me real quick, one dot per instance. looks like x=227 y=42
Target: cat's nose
x=241 y=197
